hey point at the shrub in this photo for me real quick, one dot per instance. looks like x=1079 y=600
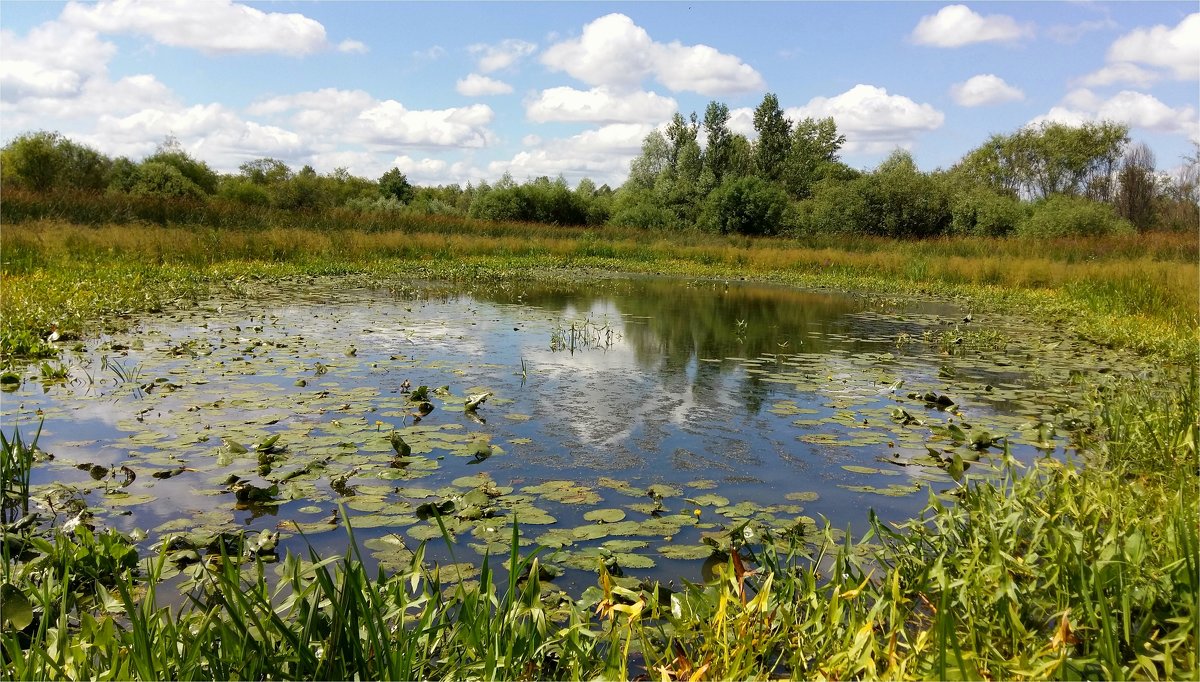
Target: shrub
x=984 y=213
x=1064 y=216
x=154 y=178
x=747 y=205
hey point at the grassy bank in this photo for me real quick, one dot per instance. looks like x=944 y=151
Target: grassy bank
x=1137 y=292
x=1053 y=572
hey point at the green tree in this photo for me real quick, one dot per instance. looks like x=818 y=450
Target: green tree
x=1051 y=158
x=161 y=179
x=171 y=152
x=774 y=143
x=718 y=149
x=654 y=159
x=812 y=156
x=680 y=133
x=43 y=161
x=395 y=184
x=265 y=171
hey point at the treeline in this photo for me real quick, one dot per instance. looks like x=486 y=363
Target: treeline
x=1047 y=180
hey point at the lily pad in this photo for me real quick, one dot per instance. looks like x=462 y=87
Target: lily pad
x=604 y=515
x=686 y=551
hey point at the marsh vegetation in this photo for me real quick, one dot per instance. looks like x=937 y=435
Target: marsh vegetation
x=388 y=433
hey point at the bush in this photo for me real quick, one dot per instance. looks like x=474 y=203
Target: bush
x=984 y=213
x=1068 y=216
x=43 y=161
x=157 y=179
x=748 y=205
x=833 y=208
x=244 y=191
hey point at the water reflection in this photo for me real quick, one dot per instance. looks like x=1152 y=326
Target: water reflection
x=763 y=391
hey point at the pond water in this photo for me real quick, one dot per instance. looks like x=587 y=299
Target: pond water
x=625 y=418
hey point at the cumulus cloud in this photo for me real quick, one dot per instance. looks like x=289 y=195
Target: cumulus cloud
x=212 y=26
x=602 y=154
x=355 y=117
x=475 y=85
x=501 y=55
x=872 y=120
x=1120 y=72
x=1137 y=109
x=52 y=60
x=983 y=90
x=958 y=25
x=209 y=131
x=615 y=52
x=599 y=105
x=1176 y=49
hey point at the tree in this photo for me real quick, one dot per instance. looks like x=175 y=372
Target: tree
x=774 y=129
x=1135 y=187
x=1051 y=158
x=265 y=171
x=160 y=179
x=43 y=161
x=394 y=184
x=654 y=159
x=813 y=155
x=718 y=149
x=171 y=152
x=679 y=134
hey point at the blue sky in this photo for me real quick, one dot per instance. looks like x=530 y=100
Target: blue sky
x=458 y=91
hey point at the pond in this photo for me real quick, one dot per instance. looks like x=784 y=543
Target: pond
x=618 y=420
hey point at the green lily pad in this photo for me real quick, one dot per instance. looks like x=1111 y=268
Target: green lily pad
x=604 y=515
x=686 y=551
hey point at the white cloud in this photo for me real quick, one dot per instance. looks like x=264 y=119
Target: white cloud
x=1177 y=49
x=741 y=120
x=211 y=26
x=1120 y=72
x=958 y=25
x=390 y=123
x=354 y=46
x=355 y=117
x=210 y=132
x=1137 y=109
x=501 y=55
x=702 y=69
x=53 y=60
x=602 y=154
x=614 y=52
x=475 y=85
x=599 y=105
x=983 y=90
x=872 y=120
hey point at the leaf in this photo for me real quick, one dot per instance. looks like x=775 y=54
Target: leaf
x=604 y=515
x=234 y=446
x=15 y=607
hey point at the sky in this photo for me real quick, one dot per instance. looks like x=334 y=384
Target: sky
x=457 y=92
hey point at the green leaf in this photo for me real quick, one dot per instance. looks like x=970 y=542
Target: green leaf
x=15 y=607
